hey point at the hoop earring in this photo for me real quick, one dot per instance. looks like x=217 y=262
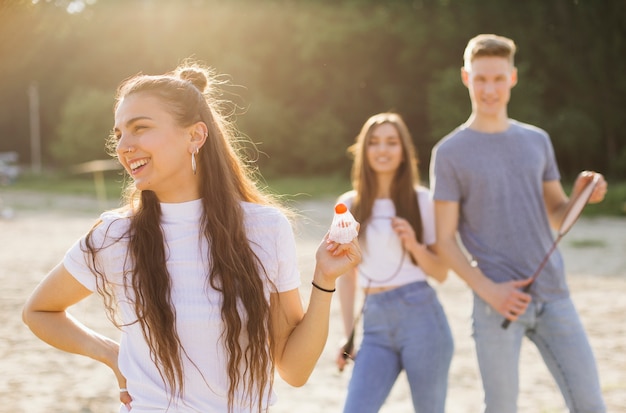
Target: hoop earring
x=193 y=161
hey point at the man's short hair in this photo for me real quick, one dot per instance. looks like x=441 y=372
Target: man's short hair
x=488 y=45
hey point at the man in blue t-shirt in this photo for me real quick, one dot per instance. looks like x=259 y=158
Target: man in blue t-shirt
x=496 y=182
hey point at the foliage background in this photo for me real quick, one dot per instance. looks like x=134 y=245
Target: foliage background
x=306 y=74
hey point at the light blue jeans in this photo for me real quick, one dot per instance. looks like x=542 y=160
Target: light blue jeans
x=556 y=330
x=405 y=328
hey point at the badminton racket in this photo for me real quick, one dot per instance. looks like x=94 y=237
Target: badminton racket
x=571 y=216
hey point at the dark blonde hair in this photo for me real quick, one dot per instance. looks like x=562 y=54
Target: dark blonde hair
x=190 y=94
x=489 y=45
x=365 y=183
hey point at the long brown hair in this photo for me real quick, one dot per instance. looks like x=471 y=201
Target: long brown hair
x=365 y=182
x=225 y=181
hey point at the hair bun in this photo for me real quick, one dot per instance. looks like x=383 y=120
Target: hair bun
x=196 y=76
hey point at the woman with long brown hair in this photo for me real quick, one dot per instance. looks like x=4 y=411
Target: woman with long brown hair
x=405 y=327
x=198 y=269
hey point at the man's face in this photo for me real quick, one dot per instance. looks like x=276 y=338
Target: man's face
x=489 y=81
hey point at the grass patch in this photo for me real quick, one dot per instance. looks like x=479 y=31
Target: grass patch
x=292 y=188
x=304 y=188
x=69 y=184
x=587 y=243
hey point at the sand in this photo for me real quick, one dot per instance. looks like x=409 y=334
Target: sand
x=36 y=230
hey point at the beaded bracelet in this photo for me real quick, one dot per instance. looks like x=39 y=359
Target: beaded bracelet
x=323 y=289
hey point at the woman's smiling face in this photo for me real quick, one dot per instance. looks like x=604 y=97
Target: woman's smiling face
x=153 y=148
x=384 y=149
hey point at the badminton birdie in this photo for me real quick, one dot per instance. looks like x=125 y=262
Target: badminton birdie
x=344 y=227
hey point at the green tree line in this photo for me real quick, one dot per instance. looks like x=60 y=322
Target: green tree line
x=304 y=75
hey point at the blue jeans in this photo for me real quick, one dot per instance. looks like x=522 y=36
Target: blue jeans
x=556 y=330
x=405 y=328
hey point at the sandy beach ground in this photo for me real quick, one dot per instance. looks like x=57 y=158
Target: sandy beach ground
x=36 y=230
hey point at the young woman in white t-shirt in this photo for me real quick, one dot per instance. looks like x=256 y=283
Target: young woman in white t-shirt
x=404 y=325
x=198 y=270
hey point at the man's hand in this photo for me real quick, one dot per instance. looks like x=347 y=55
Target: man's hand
x=508 y=299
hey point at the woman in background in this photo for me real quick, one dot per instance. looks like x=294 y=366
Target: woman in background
x=405 y=327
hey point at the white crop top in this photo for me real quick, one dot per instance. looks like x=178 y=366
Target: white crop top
x=384 y=261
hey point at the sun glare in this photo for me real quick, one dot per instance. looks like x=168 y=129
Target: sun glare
x=75 y=7
x=71 y=6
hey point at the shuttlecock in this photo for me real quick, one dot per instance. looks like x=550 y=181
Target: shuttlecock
x=344 y=227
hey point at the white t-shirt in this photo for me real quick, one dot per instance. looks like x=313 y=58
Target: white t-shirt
x=384 y=263
x=198 y=318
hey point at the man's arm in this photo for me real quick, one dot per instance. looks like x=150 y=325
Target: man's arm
x=506 y=298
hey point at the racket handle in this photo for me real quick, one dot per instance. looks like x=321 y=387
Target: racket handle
x=505 y=324
x=348 y=347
